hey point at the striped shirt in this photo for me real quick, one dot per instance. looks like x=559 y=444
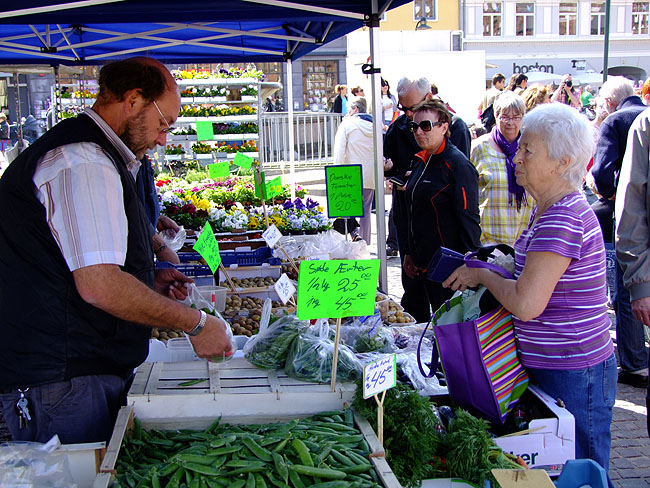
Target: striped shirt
x=81 y=191
x=573 y=330
x=501 y=223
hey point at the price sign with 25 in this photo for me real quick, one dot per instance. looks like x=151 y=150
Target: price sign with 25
x=379 y=375
x=337 y=288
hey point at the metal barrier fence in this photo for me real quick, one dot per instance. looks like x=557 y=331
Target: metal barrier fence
x=314 y=137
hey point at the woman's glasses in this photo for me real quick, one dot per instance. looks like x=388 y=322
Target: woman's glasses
x=425 y=125
x=516 y=119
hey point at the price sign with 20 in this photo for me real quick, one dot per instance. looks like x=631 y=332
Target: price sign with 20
x=379 y=375
x=333 y=289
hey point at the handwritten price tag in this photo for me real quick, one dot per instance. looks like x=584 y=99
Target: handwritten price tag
x=379 y=375
x=271 y=235
x=208 y=247
x=340 y=288
x=284 y=288
x=344 y=190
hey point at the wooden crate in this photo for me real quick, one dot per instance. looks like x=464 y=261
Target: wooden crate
x=124 y=427
x=236 y=390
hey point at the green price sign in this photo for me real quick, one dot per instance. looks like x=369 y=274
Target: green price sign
x=260 y=185
x=219 y=170
x=274 y=187
x=208 y=247
x=243 y=161
x=337 y=288
x=204 y=131
x=344 y=190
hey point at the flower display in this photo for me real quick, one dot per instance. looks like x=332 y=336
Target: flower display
x=215 y=110
x=174 y=149
x=235 y=72
x=246 y=146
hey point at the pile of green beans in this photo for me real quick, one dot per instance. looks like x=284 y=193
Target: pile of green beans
x=322 y=451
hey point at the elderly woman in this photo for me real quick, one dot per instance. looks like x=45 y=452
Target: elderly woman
x=441 y=204
x=504 y=205
x=559 y=296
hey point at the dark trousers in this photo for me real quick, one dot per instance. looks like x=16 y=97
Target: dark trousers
x=83 y=409
x=424 y=297
x=391 y=240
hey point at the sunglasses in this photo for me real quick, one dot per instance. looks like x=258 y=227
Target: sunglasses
x=169 y=128
x=425 y=125
x=409 y=109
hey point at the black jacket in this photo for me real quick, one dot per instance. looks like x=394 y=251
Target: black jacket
x=49 y=333
x=441 y=206
x=337 y=107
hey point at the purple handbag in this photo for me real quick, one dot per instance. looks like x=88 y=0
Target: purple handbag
x=479 y=356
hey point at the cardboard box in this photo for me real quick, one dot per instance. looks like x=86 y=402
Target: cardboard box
x=550 y=440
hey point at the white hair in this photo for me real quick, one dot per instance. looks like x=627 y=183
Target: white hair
x=508 y=100
x=566 y=133
x=617 y=88
x=421 y=85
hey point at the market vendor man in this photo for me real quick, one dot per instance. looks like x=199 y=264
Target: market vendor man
x=78 y=288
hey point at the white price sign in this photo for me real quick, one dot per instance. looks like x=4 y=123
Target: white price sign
x=379 y=375
x=284 y=288
x=271 y=235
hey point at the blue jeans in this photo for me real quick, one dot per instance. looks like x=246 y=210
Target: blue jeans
x=83 y=409
x=630 y=339
x=589 y=394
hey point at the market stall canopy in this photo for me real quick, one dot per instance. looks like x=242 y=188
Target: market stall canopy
x=194 y=31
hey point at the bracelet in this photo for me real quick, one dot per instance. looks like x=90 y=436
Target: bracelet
x=199 y=327
x=161 y=248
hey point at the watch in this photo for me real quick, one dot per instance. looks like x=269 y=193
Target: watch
x=199 y=327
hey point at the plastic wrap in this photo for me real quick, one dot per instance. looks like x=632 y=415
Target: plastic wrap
x=368 y=334
x=270 y=347
x=407 y=363
x=311 y=356
x=174 y=240
x=34 y=465
x=194 y=299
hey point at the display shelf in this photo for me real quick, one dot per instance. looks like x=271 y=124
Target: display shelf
x=236 y=82
x=216 y=118
x=217 y=100
x=217 y=137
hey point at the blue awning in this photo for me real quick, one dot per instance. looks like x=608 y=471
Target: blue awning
x=96 y=31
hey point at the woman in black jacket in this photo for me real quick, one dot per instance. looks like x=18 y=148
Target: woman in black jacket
x=441 y=203
x=340 y=105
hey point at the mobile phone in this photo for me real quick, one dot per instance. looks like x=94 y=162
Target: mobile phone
x=398 y=180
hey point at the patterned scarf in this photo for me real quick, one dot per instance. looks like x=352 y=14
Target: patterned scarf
x=509 y=149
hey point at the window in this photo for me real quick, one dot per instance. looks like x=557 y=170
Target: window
x=597 y=18
x=525 y=19
x=640 y=14
x=492 y=12
x=319 y=78
x=425 y=9
x=568 y=18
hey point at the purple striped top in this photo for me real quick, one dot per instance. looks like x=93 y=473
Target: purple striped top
x=573 y=330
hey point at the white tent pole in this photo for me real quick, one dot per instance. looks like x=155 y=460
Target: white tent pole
x=289 y=100
x=378 y=139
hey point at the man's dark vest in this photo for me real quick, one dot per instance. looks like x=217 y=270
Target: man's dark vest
x=48 y=332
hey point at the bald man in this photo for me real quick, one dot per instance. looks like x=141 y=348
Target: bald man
x=78 y=289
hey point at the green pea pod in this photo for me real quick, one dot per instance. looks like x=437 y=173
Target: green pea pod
x=331 y=484
x=360 y=468
x=175 y=480
x=224 y=450
x=342 y=458
x=349 y=417
x=193 y=382
x=280 y=466
x=168 y=469
x=238 y=484
x=259 y=481
x=328 y=474
x=294 y=477
x=195 y=483
x=202 y=469
x=250 y=481
x=257 y=450
x=280 y=446
x=254 y=467
x=213 y=426
x=303 y=452
x=137 y=428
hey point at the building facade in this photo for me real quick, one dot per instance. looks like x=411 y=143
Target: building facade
x=558 y=36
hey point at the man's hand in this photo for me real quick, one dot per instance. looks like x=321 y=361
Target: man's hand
x=165 y=222
x=411 y=270
x=213 y=340
x=171 y=283
x=641 y=310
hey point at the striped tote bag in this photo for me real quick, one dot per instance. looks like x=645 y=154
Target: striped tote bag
x=479 y=359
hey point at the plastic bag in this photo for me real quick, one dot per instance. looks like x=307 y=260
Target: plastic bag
x=368 y=334
x=194 y=299
x=269 y=348
x=35 y=465
x=311 y=355
x=407 y=365
x=174 y=240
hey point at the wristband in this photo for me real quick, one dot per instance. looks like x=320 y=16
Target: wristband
x=161 y=248
x=199 y=327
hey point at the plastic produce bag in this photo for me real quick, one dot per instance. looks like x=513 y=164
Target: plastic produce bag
x=368 y=334
x=407 y=365
x=269 y=348
x=35 y=465
x=311 y=355
x=172 y=239
x=194 y=299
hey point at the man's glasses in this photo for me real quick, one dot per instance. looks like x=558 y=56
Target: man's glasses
x=409 y=109
x=169 y=128
x=515 y=119
x=425 y=125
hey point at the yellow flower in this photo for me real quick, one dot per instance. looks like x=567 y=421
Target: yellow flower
x=320 y=208
x=200 y=203
x=253 y=222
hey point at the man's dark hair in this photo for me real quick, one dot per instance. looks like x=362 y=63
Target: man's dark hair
x=118 y=77
x=499 y=77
